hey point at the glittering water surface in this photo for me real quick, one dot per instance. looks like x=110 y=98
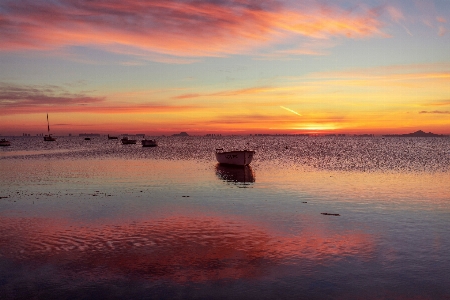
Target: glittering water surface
x=311 y=218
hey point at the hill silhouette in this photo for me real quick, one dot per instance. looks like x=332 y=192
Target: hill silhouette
x=418 y=133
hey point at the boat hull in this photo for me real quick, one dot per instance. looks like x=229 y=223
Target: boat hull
x=238 y=158
x=149 y=143
x=49 y=138
x=5 y=143
x=128 y=142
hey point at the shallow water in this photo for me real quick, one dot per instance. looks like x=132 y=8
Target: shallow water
x=97 y=219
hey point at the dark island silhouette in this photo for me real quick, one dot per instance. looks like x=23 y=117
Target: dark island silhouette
x=183 y=133
x=418 y=133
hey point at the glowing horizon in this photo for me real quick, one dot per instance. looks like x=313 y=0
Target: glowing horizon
x=224 y=67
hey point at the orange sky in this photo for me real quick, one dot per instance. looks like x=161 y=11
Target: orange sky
x=230 y=67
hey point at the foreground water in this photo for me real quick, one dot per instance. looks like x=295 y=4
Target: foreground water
x=312 y=218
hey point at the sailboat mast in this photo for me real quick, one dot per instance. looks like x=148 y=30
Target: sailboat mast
x=48 y=125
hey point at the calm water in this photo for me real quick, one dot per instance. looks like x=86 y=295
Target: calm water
x=97 y=219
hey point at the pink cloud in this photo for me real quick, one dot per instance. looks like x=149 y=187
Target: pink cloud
x=395 y=13
x=228 y=93
x=176 y=28
x=442 y=31
x=441 y=19
x=187 y=96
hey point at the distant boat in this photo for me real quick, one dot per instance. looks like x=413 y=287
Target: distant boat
x=4 y=142
x=127 y=141
x=87 y=139
x=48 y=138
x=238 y=157
x=112 y=137
x=149 y=143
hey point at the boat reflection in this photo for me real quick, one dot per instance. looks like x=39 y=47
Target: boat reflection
x=240 y=175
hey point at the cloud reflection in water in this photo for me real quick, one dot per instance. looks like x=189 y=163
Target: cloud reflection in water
x=177 y=248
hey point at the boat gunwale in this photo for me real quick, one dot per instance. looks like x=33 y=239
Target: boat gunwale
x=220 y=154
x=220 y=151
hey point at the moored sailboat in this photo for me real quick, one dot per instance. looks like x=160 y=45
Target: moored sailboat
x=48 y=138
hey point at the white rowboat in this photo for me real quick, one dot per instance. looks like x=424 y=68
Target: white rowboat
x=238 y=157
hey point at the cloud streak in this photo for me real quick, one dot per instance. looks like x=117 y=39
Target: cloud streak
x=434 y=112
x=181 y=28
x=29 y=96
x=29 y=99
x=257 y=90
x=290 y=110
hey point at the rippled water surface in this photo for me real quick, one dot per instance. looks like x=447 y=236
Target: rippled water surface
x=311 y=218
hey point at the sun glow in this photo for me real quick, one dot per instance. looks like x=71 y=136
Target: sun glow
x=318 y=127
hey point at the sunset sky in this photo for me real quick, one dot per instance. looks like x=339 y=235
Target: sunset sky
x=224 y=66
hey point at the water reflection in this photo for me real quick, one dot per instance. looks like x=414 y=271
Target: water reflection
x=235 y=174
x=98 y=214
x=180 y=248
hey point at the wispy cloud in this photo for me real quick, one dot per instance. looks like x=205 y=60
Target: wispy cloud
x=431 y=16
x=50 y=95
x=411 y=76
x=281 y=121
x=397 y=16
x=415 y=70
x=290 y=110
x=256 y=90
x=176 y=28
x=434 y=112
x=109 y=110
x=438 y=103
x=188 y=96
x=28 y=99
x=442 y=31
